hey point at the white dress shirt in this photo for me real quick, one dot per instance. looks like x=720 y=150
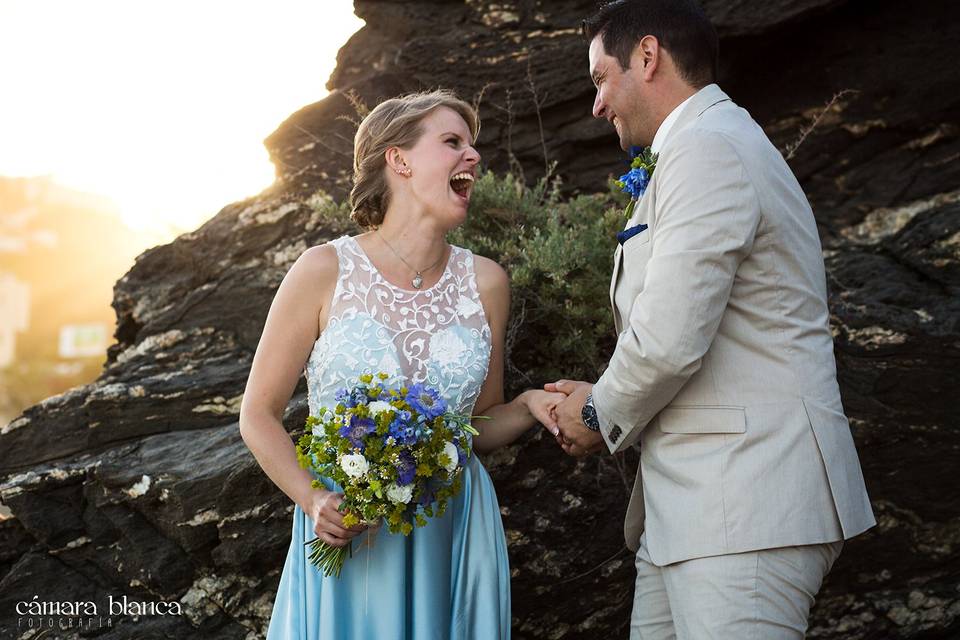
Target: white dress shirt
x=666 y=125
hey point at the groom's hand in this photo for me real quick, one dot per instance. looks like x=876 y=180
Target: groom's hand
x=575 y=438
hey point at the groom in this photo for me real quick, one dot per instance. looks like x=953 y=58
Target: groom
x=724 y=370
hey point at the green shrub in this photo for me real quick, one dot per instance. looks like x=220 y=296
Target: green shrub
x=559 y=254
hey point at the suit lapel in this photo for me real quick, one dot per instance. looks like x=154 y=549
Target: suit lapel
x=702 y=100
x=618 y=264
x=617 y=260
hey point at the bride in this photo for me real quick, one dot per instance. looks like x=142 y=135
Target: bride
x=398 y=299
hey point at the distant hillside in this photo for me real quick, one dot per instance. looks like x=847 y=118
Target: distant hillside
x=68 y=248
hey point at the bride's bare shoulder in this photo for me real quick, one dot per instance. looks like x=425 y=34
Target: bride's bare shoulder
x=491 y=277
x=493 y=286
x=314 y=269
x=321 y=257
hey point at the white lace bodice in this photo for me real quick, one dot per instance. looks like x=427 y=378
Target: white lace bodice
x=438 y=336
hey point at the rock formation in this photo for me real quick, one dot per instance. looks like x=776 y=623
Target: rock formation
x=139 y=484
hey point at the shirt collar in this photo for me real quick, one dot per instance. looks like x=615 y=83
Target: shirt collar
x=666 y=125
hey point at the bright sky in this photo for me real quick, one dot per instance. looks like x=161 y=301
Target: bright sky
x=161 y=106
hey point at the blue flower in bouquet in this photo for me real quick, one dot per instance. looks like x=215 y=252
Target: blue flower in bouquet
x=426 y=497
x=635 y=182
x=358 y=397
x=358 y=429
x=426 y=401
x=406 y=468
x=401 y=430
x=421 y=429
x=342 y=396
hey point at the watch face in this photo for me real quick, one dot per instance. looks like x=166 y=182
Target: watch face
x=589 y=416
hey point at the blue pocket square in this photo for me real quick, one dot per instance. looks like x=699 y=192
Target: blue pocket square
x=626 y=234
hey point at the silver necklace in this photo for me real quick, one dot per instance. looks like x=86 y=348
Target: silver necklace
x=417 y=281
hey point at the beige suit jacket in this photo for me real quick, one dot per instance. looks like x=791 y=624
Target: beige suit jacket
x=724 y=368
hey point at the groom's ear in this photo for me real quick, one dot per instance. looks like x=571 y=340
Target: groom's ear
x=646 y=57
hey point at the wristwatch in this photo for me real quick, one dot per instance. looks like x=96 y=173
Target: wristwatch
x=589 y=415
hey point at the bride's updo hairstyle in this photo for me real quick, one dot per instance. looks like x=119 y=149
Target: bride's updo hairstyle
x=396 y=122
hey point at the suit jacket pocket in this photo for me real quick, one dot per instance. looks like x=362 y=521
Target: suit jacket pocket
x=643 y=237
x=636 y=254
x=703 y=419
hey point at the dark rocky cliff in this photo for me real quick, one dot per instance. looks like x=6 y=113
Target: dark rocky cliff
x=140 y=484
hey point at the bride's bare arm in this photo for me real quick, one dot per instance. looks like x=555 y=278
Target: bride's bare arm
x=296 y=317
x=508 y=420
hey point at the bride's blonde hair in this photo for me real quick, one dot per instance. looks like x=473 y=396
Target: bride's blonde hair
x=396 y=122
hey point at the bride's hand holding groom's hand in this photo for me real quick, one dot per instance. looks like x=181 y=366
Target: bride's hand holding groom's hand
x=542 y=406
x=323 y=510
x=574 y=437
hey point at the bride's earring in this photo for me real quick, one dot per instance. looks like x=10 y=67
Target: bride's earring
x=404 y=172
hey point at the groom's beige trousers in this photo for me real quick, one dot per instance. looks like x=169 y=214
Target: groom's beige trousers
x=758 y=595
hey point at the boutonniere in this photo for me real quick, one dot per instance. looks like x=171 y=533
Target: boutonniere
x=635 y=181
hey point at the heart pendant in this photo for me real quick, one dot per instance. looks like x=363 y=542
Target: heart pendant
x=417 y=281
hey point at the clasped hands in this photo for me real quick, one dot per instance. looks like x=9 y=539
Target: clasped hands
x=559 y=410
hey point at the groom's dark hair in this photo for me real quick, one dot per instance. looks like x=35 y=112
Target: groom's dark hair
x=680 y=26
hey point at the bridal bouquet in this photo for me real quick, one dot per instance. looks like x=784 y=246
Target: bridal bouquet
x=396 y=451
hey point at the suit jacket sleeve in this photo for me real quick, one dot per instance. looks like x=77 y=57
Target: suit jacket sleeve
x=706 y=218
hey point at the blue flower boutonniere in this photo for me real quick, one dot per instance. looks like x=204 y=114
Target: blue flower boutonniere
x=635 y=181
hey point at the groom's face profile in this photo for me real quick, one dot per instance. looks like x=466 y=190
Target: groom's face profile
x=616 y=92
x=620 y=94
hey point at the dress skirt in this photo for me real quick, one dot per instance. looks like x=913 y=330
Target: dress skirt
x=449 y=580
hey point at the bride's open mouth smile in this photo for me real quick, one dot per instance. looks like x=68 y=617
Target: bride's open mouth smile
x=462 y=184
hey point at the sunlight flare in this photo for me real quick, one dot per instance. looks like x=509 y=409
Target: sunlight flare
x=162 y=108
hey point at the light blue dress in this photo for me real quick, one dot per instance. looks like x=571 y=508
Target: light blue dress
x=450 y=579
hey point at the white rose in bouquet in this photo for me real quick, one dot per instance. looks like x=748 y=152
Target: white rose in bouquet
x=398 y=494
x=450 y=451
x=354 y=465
x=379 y=406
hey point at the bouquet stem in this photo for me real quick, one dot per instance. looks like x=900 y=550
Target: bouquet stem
x=328 y=558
